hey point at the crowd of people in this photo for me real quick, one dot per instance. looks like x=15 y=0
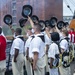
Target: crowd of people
x=41 y=53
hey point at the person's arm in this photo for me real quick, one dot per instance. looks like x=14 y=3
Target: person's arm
x=31 y=22
x=9 y=37
x=35 y=60
x=57 y=30
x=48 y=33
x=27 y=53
x=16 y=54
x=12 y=29
x=62 y=50
x=47 y=48
x=51 y=62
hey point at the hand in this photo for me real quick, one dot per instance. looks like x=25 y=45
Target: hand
x=27 y=57
x=34 y=67
x=10 y=26
x=15 y=60
x=51 y=66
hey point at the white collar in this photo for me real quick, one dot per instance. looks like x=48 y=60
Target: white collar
x=38 y=34
x=19 y=36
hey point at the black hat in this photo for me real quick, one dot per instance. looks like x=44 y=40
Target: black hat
x=8 y=19
x=60 y=24
x=22 y=22
x=54 y=18
x=55 y=36
x=34 y=18
x=66 y=24
x=47 y=22
x=27 y=11
x=42 y=23
x=53 y=21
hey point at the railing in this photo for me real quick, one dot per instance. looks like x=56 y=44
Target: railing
x=8 y=57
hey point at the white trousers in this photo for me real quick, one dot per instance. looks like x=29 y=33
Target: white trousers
x=54 y=71
x=2 y=67
x=17 y=67
x=64 y=71
x=47 y=66
x=28 y=67
x=40 y=66
x=39 y=71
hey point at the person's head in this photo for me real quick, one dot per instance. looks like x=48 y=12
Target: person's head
x=29 y=32
x=65 y=33
x=55 y=36
x=37 y=28
x=18 y=31
x=0 y=30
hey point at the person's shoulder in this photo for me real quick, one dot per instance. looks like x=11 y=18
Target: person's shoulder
x=2 y=37
x=53 y=44
x=16 y=39
x=63 y=40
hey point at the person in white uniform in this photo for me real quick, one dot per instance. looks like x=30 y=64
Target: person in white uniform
x=17 y=50
x=64 y=48
x=53 y=51
x=47 y=43
x=27 y=45
x=37 y=47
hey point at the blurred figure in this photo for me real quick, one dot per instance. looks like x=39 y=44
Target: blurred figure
x=71 y=35
x=52 y=52
x=27 y=52
x=17 y=50
x=37 y=47
x=47 y=43
x=2 y=53
x=64 y=46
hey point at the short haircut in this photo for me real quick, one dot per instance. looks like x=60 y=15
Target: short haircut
x=0 y=30
x=55 y=36
x=19 y=30
x=38 y=26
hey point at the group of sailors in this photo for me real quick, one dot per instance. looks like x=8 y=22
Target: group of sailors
x=43 y=53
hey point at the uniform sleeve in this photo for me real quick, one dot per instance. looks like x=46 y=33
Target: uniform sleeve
x=17 y=44
x=36 y=45
x=63 y=44
x=51 y=52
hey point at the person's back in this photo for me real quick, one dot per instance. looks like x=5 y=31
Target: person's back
x=2 y=48
x=2 y=53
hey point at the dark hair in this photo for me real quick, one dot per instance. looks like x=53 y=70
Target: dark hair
x=0 y=30
x=19 y=30
x=55 y=36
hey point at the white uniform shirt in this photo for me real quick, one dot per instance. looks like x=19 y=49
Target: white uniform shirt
x=64 y=44
x=17 y=44
x=37 y=45
x=53 y=49
x=27 y=44
x=47 y=40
